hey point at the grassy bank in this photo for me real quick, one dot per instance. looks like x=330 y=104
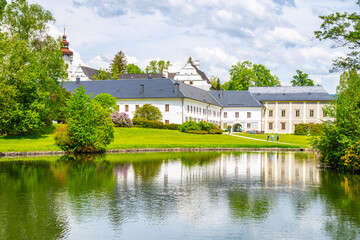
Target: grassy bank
x=285 y=138
x=126 y=138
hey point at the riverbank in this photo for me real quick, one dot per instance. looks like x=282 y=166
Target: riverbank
x=143 y=138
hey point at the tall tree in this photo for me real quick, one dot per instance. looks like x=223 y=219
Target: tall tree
x=31 y=67
x=244 y=75
x=157 y=66
x=301 y=79
x=118 y=64
x=102 y=75
x=344 y=30
x=133 y=69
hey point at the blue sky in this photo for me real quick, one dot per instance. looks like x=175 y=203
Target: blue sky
x=275 y=33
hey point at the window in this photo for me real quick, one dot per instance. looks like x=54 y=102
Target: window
x=297 y=113
x=209 y=112
x=271 y=113
x=136 y=107
x=204 y=111
x=270 y=125
x=118 y=107
x=126 y=108
x=186 y=118
x=283 y=113
x=283 y=126
x=236 y=114
x=191 y=109
x=188 y=108
x=191 y=82
x=225 y=114
x=167 y=107
x=311 y=113
x=166 y=121
x=248 y=125
x=248 y=114
x=214 y=114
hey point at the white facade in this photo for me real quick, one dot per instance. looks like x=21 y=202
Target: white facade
x=247 y=119
x=189 y=74
x=79 y=74
x=174 y=110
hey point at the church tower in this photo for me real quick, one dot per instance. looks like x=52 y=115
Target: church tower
x=67 y=54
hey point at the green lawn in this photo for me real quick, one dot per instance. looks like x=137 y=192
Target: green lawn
x=126 y=138
x=285 y=138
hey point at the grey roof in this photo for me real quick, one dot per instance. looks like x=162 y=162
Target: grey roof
x=236 y=99
x=201 y=73
x=303 y=93
x=140 y=76
x=90 y=72
x=153 y=88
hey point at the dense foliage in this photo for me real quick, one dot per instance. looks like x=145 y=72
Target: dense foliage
x=246 y=74
x=133 y=69
x=89 y=127
x=149 y=112
x=344 y=30
x=302 y=79
x=107 y=101
x=200 y=127
x=157 y=66
x=144 y=123
x=121 y=119
x=102 y=75
x=118 y=65
x=305 y=129
x=31 y=67
x=340 y=138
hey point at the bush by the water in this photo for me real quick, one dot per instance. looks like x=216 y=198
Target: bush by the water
x=89 y=127
x=121 y=119
x=199 y=127
x=303 y=129
x=338 y=145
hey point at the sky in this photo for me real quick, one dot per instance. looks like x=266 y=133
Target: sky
x=276 y=33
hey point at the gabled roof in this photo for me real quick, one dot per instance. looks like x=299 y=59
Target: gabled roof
x=201 y=73
x=90 y=72
x=235 y=98
x=140 y=76
x=153 y=88
x=299 y=93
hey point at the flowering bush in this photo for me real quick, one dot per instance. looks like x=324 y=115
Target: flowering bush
x=351 y=160
x=121 y=119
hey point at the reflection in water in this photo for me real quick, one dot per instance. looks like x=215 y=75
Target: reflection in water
x=177 y=195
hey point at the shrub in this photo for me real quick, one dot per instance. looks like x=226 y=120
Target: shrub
x=121 y=119
x=107 y=101
x=316 y=129
x=201 y=126
x=149 y=112
x=171 y=126
x=189 y=125
x=351 y=160
x=197 y=132
x=301 y=129
x=144 y=123
x=89 y=127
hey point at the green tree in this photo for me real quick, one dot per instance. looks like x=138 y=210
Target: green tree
x=157 y=66
x=133 y=69
x=118 y=64
x=31 y=67
x=107 y=101
x=149 y=112
x=89 y=128
x=244 y=75
x=215 y=82
x=102 y=75
x=344 y=132
x=301 y=79
x=58 y=104
x=344 y=30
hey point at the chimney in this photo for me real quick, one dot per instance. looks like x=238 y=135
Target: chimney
x=197 y=63
x=176 y=88
x=142 y=89
x=221 y=93
x=165 y=73
x=77 y=80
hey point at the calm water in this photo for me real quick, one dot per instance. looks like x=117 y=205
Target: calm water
x=265 y=195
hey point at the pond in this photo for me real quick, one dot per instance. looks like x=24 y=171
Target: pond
x=242 y=195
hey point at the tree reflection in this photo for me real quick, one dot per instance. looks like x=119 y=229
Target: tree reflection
x=28 y=206
x=199 y=159
x=250 y=205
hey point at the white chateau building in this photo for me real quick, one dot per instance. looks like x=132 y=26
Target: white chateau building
x=187 y=94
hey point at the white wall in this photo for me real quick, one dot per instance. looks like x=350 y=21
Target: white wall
x=174 y=115
x=254 y=120
x=197 y=113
